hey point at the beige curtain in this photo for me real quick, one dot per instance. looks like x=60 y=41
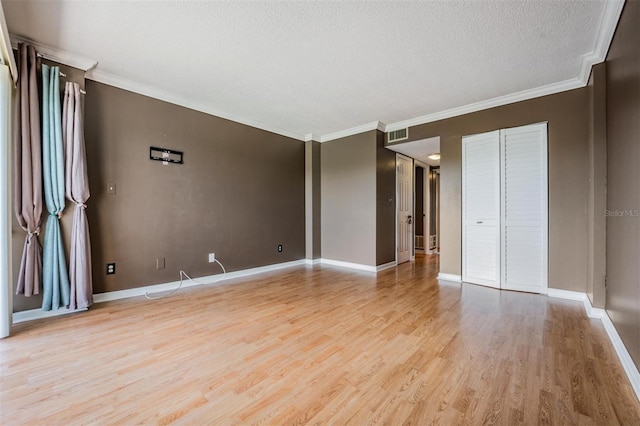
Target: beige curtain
x=28 y=170
x=77 y=191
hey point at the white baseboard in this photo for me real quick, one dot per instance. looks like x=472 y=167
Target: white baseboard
x=625 y=359
x=356 y=266
x=386 y=266
x=449 y=277
x=623 y=354
x=156 y=288
x=34 y=314
x=581 y=297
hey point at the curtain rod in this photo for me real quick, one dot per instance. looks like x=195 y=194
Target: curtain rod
x=64 y=75
x=57 y=55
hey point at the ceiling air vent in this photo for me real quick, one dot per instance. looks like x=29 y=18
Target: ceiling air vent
x=398 y=135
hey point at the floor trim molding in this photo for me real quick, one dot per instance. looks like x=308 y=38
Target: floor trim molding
x=623 y=354
x=34 y=314
x=384 y=266
x=350 y=265
x=449 y=277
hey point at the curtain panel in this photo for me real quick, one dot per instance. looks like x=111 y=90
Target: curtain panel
x=54 y=268
x=28 y=170
x=77 y=191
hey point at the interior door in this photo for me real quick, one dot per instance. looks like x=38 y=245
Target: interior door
x=481 y=209
x=404 y=197
x=524 y=208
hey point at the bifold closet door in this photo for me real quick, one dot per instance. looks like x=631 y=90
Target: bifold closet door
x=524 y=211
x=481 y=209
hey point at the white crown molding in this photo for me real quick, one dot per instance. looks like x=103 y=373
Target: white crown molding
x=449 y=277
x=167 y=96
x=89 y=65
x=56 y=55
x=376 y=125
x=524 y=95
x=606 y=30
x=310 y=137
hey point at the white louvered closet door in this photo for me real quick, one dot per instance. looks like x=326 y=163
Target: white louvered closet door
x=524 y=212
x=481 y=209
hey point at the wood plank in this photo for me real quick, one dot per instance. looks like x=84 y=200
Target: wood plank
x=319 y=345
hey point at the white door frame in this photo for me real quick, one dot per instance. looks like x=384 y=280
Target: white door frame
x=425 y=203
x=6 y=203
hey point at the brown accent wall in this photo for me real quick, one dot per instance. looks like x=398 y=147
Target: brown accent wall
x=568 y=117
x=239 y=193
x=385 y=202
x=623 y=179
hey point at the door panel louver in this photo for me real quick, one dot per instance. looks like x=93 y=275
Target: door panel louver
x=398 y=135
x=481 y=209
x=524 y=208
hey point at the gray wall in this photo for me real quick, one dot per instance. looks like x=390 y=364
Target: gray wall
x=623 y=180
x=358 y=176
x=596 y=187
x=239 y=193
x=349 y=198
x=568 y=117
x=312 y=199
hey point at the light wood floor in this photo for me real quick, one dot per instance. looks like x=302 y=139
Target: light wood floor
x=319 y=345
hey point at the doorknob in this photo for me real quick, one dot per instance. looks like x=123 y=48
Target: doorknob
x=409 y=220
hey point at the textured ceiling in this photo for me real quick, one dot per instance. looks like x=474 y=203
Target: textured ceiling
x=320 y=67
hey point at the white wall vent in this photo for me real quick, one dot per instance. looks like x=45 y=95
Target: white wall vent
x=398 y=135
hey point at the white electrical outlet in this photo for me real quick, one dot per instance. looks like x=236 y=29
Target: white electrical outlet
x=212 y=257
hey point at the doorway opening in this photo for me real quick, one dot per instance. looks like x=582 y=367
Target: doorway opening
x=417 y=198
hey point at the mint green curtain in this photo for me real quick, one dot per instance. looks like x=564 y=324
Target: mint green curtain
x=55 y=280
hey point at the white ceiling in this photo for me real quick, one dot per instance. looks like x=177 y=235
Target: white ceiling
x=420 y=149
x=300 y=68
